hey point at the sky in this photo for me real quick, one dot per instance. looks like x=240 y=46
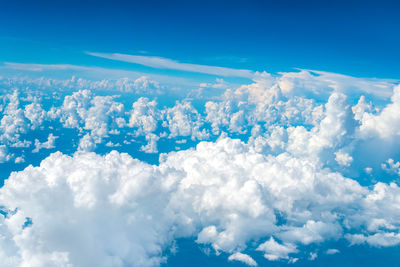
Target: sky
x=356 y=38
x=199 y=133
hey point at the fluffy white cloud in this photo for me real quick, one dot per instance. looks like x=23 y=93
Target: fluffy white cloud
x=49 y=144
x=391 y=167
x=385 y=124
x=4 y=154
x=113 y=210
x=13 y=122
x=278 y=193
x=343 y=158
x=99 y=115
x=86 y=143
x=144 y=116
x=275 y=251
x=151 y=146
x=242 y=258
x=184 y=120
x=35 y=113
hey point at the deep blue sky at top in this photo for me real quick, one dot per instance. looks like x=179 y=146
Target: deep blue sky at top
x=360 y=38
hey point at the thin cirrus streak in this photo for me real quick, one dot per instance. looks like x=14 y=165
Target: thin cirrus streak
x=166 y=63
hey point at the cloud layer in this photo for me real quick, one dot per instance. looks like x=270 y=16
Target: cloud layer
x=274 y=167
x=123 y=211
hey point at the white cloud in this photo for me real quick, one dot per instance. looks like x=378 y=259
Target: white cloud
x=184 y=120
x=19 y=160
x=385 y=124
x=35 y=113
x=391 y=167
x=151 y=146
x=4 y=154
x=378 y=239
x=165 y=63
x=275 y=251
x=321 y=84
x=343 y=158
x=144 y=116
x=242 y=258
x=87 y=143
x=96 y=78
x=225 y=194
x=13 y=122
x=332 y=251
x=49 y=144
x=313 y=256
x=120 y=210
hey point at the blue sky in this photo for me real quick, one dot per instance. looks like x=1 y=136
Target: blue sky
x=201 y=133
x=357 y=38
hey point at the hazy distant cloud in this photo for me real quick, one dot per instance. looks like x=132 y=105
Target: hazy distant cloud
x=166 y=63
x=92 y=72
x=42 y=67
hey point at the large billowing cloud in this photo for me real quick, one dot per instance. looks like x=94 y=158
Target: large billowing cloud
x=291 y=182
x=113 y=210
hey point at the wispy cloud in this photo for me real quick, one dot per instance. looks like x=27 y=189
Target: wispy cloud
x=42 y=67
x=166 y=63
x=94 y=72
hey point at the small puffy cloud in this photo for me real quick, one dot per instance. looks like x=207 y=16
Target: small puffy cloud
x=35 y=113
x=368 y=170
x=4 y=154
x=49 y=144
x=343 y=158
x=332 y=251
x=242 y=258
x=391 y=166
x=19 y=160
x=144 y=116
x=86 y=143
x=13 y=122
x=274 y=251
x=313 y=256
x=151 y=146
x=184 y=120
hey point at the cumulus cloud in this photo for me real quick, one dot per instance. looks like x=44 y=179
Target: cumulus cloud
x=151 y=146
x=286 y=186
x=4 y=154
x=35 y=113
x=144 y=116
x=385 y=124
x=391 y=166
x=122 y=211
x=275 y=251
x=99 y=115
x=49 y=144
x=184 y=120
x=13 y=122
x=242 y=258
